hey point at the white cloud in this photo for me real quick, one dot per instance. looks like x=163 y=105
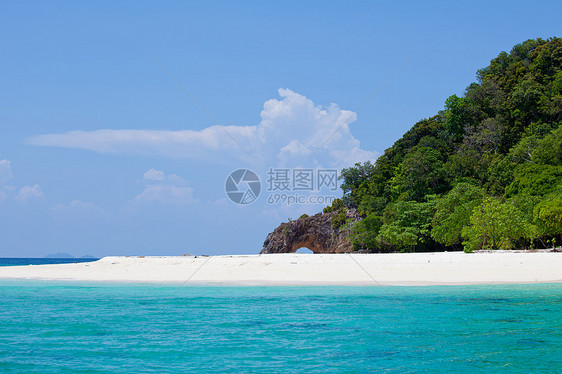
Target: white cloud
x=164 y=189
x=185 y=143
x=292 y=131
x=166 y=194
x=25 y=193
x=302 y=132
x=153 y=175
x=28 y=193
x=158 y=176
x=5 y=172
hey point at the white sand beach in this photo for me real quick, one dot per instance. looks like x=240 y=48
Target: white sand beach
x=306 y=269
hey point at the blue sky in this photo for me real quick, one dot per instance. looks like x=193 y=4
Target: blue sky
x=102 y=153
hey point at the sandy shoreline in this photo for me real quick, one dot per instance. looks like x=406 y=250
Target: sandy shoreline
x=298 y=269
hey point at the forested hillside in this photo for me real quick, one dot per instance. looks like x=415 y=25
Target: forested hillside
x=485 y=172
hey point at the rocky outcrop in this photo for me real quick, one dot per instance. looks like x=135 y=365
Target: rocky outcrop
x=321 y=233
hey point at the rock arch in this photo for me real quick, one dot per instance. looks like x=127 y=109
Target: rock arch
x=315 y=233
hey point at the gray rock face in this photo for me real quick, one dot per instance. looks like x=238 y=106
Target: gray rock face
x=315 y=233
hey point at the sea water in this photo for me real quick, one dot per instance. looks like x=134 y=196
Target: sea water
x=73 y=327
x=11 y=261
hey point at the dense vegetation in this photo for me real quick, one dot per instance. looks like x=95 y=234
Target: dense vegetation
x=485 y=172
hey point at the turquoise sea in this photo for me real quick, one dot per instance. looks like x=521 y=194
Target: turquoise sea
x=11 y=261
x=71 y=327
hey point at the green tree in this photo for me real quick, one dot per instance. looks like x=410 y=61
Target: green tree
x=495 y=225
x=459 y=113
x=453 y=213
x=533 y=179
x=548 y=216
x=549 y=149
x=353 y=179
x=503 y=136
x=337 y=204
x=407 y=224
x=364 y=233
x=420 y=174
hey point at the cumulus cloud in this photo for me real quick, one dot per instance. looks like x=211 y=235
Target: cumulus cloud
x=27 y=193
x=166 y=194
x=292 y=131
x=164 y=189
x=153 y=175
x=159 y=177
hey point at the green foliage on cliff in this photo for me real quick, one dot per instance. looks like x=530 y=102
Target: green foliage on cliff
x=339 y=219
x=548 y=215
x=496 y=225
x=364 y=233
x=337 y=204
x=453 y=213
x=485 y=172
x=407 y=225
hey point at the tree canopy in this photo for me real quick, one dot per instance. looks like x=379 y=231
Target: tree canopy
x=490 y=160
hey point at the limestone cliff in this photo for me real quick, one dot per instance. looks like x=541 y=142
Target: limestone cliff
x=317 y=233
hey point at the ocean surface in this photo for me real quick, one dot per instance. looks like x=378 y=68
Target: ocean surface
x=74 y=327
x=9 y=261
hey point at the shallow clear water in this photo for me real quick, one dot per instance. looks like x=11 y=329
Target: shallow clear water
x=69 y=327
